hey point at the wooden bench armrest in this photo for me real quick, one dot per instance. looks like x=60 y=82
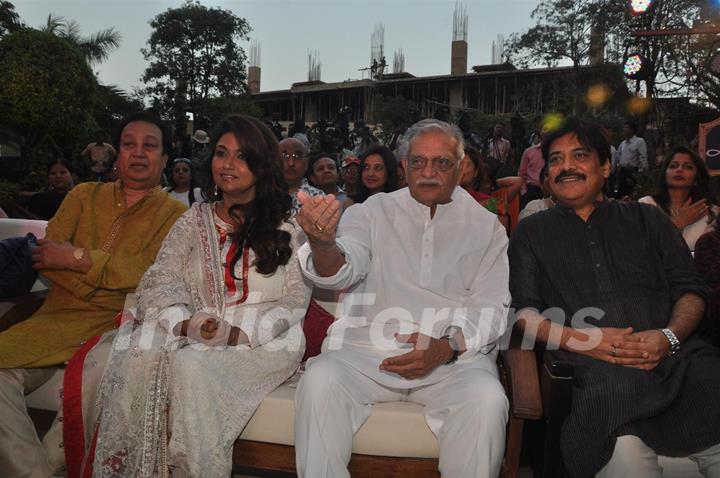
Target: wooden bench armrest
x=522 y=381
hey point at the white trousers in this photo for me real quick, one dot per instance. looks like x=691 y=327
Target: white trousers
x=632 y=458
x=22 y=455
x=467 y=412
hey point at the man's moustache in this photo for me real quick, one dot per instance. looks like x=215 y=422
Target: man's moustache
x=428 y=182
x=568 y=174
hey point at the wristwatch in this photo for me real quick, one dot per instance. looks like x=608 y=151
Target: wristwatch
x=79 y=254
x=451 y=337
x=672 y=338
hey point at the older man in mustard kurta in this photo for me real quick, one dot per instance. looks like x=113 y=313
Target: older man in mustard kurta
x=97 y=247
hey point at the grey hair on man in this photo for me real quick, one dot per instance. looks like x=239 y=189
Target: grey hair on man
x=426 y=126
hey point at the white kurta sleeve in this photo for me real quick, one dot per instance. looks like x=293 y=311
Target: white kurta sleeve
x=483 y=317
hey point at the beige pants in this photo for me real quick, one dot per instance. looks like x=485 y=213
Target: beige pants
x=467 y=412
x=632 y=458
x=22 y=455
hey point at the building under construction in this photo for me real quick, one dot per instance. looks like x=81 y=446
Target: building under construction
x=496 y=89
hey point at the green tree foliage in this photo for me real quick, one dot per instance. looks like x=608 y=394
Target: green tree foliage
x=701 y=59
x=46 y=87
x=704 y=69
x=111 y=105
x=9 y=19
x=668 y=73
x=194 y=55
x=562 y=32
x=95 y=48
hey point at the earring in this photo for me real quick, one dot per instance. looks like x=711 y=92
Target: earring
x=216 y=193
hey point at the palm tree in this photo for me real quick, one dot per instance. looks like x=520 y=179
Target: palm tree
x=9 y=19
x=95 y=48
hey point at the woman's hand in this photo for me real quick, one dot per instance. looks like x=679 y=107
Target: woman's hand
x=690 y=213
x=211 y=330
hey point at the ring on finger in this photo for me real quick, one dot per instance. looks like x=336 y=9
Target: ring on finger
x=614 y=352
x=319 y=228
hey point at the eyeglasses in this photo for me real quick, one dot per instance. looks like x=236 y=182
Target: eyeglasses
x=438 y=164
x=298 y=156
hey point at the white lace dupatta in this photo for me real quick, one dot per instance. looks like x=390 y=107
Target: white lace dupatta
x=133 y=398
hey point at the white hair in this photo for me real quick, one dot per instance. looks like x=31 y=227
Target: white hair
x=428 y=126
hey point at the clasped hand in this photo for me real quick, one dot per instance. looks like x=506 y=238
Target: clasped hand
x=211 y=330
x=427 y=354
x=50 y=254
x=641 y=350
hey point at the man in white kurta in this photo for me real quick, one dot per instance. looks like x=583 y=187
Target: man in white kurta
x=426 y=275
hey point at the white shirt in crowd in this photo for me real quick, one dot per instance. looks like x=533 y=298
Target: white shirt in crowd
x=632 y=153
x=402 y=264
x=185 y=197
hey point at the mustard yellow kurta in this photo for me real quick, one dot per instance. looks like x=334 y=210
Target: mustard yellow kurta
x=122 y=243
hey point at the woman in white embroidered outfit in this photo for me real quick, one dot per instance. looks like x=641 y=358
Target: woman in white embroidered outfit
x=218 y=323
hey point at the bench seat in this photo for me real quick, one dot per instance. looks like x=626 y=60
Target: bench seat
x=393 y=429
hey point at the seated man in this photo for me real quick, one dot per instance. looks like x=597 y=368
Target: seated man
x=427 y=273
x=630 y=299
x=97 y=247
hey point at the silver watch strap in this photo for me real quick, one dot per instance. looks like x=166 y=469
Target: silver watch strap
x=672 y=338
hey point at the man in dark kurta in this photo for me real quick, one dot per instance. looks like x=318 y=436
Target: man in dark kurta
x=635 y=396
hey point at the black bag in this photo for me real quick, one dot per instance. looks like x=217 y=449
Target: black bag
x=16 y=273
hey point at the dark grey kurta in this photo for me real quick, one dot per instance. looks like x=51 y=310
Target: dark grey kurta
x=629 y=261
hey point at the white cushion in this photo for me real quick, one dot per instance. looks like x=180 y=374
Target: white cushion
x=20 y=227
x=393 y=429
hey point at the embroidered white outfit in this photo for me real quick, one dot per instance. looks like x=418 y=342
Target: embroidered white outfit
x=158 y=385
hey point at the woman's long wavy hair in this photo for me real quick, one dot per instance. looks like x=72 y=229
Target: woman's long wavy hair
x=260 y=219
x=391 y=165
x=698 y=191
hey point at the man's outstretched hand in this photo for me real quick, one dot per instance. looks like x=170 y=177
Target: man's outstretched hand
x=319 y=217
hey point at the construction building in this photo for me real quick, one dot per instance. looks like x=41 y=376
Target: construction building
x=497 y=89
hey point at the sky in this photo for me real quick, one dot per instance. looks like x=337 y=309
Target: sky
x=287 y=30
